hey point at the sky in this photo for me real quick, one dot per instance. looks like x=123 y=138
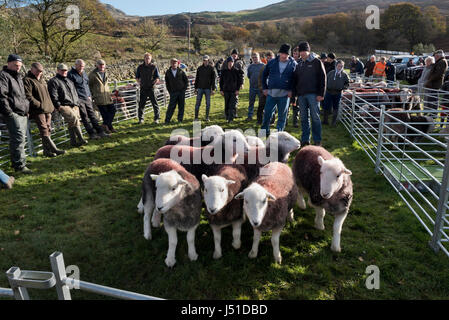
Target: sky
x=161 y=7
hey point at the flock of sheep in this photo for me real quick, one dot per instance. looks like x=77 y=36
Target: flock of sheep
x=240 y=178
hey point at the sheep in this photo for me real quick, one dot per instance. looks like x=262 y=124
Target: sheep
x=395 y=128
x=199 y=161
x=268 y=202
x=222 y=209
x=254 y=141
x=328 y=185
x=207 y=136
x=172 y=191
x=315 y=167
x=281 y=143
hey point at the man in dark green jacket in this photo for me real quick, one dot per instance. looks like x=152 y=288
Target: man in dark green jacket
x=14 y=106
x=176 y=82
x=41 y=107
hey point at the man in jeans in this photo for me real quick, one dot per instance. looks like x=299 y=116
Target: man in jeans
x=147 y=76
x=277 y=83
x=65 y=100
x=204 y=85
x=309 y=86
x=14 y=106
x=87 y=113
x=253 y=76
x=176 y=82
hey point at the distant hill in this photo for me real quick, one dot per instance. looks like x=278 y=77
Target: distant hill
x=294 y=9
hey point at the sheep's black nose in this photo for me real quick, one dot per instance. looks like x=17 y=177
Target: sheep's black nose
x=213 y=210
x=160 y=209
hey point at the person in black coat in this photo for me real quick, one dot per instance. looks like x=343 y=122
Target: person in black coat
x=176 y=82
x=230 y=82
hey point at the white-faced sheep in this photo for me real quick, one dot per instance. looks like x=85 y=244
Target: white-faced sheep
x=328 y=185
x=170 y=190
x=222 y=209
x=268 y=202
x=199 y=161
x=207 y=136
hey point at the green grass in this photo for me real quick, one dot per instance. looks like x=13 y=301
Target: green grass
x=84 y=205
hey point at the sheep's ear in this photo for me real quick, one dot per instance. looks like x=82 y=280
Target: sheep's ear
x=320 y=160
x=234 y=158
x=270 y=197
x=204 y=177
x=348 y=172
x=239 y=196
x=230 y=182
x=154 y=177
x=182 y=182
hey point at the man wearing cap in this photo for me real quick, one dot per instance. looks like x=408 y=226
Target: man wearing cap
x=331 y=62
x=14 y=107
x=435 y=79
x=87 y=113
x=147 y=75
x=253 y=76
x=230 y=83
x=41 y=107
x=101 y=95
x=356 y=66
x=204 y=85
x=277 y=85
x=65 y=100
x=176 y=82
x=239 y=65
x=310 y=86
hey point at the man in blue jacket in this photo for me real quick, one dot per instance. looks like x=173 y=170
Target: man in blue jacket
x=278 y=89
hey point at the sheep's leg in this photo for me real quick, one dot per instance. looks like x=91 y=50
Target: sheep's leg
x=156 y=219
x=217 y=241
x=193 y=256
x=275 y=243
x=148 y=210
x=291 y=215
x=338 y=223
x=236 y=234
x=301 y=202
x=140 y=206
x=255 y=248
x=172 y=243
x=319 y=218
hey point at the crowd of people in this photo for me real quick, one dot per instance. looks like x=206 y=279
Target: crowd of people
x=294 y=78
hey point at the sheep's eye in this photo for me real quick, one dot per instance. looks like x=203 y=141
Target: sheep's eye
x=173 y=189
x=205 y=190
x=221 y=190
x=339 y=176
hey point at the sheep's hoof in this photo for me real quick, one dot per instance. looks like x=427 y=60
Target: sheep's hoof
x=252 y=254
x=291 y=216
x=170 y=262
x=217 y=255
x=156 y=224
x=319 y=225
x=336 y=249
x=147 y=236
x=193 y=256
x=236 y=244
x=278 y=259
x=302 y=204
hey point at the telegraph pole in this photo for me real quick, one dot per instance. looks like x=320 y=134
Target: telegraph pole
x=189 y=22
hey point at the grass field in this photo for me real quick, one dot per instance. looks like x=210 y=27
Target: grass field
x=84 y=205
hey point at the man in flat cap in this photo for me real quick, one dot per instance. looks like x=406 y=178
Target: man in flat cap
x=14 y=107
x=278 y=87
x=204 y=85
x=435 y=79
x=41 y=107
x=65 y=100
x=176 y=82
x=101 y=95
x=239 y=65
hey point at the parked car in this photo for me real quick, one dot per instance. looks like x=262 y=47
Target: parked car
x=413 y=74
x=400 y=62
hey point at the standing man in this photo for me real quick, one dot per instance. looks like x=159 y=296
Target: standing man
x=204 y=85
x=238 y=64
x=176 y=82
x=309 y=86
x=294 y=103
x=369 y=66
x=330 y=63
x=356 y=67
x=87 y=113
x=263 y=99
x=101 y=94
x=379 y=68
x=435 y=79
x=230 y=84
x=390 y=73
x=41 y=107
x=253 y=76
x=337 y=81
x=14 y=106
x=147 y=76
x=277 y=83
x=65 y=100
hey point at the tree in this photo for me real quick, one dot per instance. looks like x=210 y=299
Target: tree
x=154 y=35
x=48 y=23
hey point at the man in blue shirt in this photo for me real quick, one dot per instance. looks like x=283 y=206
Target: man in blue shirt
x=253 y=76
x=278 y=89
x=87 y=113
